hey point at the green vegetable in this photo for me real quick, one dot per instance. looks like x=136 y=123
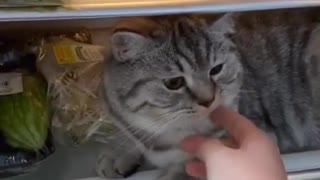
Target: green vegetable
x=25 y=117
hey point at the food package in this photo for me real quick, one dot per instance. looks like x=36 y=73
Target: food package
x=30 y=3
x=25 y=138
x=73 y=69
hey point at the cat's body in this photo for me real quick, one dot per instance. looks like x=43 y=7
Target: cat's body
x=277 y=85
x=167 y=75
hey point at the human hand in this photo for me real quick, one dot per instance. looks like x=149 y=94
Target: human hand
x=249 y=155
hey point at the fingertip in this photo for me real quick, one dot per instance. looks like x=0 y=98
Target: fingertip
x=219 y=108
x=218 y=114
x=238 y=126
x=196 y=169
x=210 y=148
x=193 y=143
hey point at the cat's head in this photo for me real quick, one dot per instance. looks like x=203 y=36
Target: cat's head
x=180 y=69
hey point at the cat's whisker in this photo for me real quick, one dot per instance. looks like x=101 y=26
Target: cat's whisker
x=161 y=122
x=142 y=138
x=168 y=122
x=132 y=125
x=200 y=116
x=160 y=126
x=159 y=118
x=172 y=113
x=165 y=124
x=154 y=134
x=133 y=134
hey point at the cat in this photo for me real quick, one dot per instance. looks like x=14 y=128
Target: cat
x=167 y=74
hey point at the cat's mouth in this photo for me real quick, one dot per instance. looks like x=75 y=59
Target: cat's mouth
x=219 y=133
x=217 y=101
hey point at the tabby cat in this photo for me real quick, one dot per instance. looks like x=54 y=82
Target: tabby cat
x=168 y=73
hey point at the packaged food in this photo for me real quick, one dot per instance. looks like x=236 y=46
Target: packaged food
x=25 y=138
x=43 y=4
x=73 y=69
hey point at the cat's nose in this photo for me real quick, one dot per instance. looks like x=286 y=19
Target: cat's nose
x=202 y=91
x=206 y=103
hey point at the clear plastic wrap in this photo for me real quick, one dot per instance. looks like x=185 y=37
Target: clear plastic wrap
x=73 y=68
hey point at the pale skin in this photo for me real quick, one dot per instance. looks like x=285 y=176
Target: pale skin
x=249 y=155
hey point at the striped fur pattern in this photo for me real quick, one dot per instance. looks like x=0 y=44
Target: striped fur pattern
x=277 y=91
x=167 y=74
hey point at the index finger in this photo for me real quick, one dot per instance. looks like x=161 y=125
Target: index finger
x=240 y=128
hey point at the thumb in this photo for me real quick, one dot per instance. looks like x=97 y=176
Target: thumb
x=211 y=148
x=202 y=147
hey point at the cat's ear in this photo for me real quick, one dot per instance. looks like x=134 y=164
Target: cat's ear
x=224 y=24
x=127 y=45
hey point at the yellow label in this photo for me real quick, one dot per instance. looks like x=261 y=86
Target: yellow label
x=70 y=54
x=64 y=54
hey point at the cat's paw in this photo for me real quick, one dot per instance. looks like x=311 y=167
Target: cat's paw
x=117 y=167
x=128 y=165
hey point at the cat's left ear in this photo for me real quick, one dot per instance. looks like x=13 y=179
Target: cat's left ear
x=128 y=45
x=224 y=24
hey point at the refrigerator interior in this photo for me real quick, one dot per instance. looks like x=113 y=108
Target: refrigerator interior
x=76 y=163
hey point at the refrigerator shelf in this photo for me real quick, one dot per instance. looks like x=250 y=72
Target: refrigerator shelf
x=86 y=9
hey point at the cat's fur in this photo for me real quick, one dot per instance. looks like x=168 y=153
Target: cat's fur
x=270 y=73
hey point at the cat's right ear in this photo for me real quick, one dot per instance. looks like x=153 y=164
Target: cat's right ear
x=224 y=24
x=127 y=45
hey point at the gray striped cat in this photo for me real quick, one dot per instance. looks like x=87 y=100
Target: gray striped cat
x=168 y=74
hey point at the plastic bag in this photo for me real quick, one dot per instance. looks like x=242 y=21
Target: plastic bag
x=25 y=138
x=73 y=69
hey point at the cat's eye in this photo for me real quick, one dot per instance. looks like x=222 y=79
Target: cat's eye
x=216 y=70
x=174 y=83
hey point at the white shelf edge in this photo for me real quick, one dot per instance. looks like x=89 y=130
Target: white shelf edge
x=119 y=11
x=303 y=161
x=299 y=166
x=306 y=175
